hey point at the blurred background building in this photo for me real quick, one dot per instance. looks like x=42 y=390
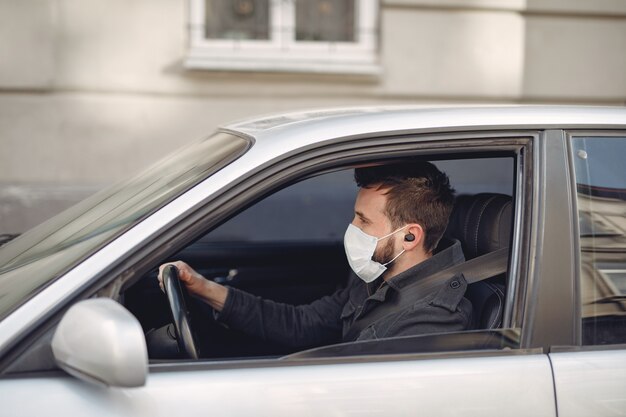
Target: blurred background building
x=92 y=91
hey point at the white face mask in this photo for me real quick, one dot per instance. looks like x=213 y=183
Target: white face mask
x=360 y=248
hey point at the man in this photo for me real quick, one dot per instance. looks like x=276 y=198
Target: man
x=401 y=212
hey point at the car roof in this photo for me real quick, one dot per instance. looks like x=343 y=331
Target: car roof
x=317 y=125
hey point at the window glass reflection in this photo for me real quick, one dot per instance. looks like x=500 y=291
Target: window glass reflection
x=55 y=246
x=325 y=20
x=601 y=193
x=237 y=19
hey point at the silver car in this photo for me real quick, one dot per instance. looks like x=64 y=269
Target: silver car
x=262 y=205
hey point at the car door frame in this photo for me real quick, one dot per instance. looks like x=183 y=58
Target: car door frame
x=339 y=153
x=587 y=378
x=307 y=161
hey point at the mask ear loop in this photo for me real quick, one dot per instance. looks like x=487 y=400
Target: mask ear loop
x=392 y=233
x=386 y=236
x=397 y=256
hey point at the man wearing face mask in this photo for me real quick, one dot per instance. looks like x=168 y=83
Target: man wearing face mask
x=401 y=212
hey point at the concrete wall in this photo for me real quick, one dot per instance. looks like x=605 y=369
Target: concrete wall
x=93 y=90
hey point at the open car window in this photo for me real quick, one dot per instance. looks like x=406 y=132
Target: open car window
x=288 y=248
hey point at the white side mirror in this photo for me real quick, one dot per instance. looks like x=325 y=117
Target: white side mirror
x=100 y=341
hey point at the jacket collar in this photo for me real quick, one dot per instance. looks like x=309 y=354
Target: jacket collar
x=449 y=253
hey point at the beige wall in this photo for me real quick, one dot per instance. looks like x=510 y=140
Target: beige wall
x=93 y=90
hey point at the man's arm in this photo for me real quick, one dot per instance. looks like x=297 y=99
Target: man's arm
x=296 y=326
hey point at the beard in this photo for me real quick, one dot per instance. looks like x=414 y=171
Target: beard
x=385 y=253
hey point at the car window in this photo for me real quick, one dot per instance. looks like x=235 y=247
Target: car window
x=601 y=196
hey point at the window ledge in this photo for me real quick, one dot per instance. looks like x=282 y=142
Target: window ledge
x=313 y=66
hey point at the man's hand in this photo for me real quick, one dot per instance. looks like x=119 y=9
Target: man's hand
x=193 y=281
x=210 y=292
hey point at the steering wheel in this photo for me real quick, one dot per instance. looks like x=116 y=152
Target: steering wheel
x=178 y=298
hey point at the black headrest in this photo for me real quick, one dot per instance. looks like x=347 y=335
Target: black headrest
x=482 y=223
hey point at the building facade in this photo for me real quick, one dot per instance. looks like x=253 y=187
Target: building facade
x=92 y=91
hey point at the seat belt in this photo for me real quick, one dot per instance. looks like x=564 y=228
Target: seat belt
x=474 y=270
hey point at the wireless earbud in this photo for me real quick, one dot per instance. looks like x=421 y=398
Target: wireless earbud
x=409 y=237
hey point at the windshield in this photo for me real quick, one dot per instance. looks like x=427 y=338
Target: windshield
x=31 y=261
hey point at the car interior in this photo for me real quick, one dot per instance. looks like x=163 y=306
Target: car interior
x=288 y=247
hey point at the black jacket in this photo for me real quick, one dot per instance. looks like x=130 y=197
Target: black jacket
x=328 y=319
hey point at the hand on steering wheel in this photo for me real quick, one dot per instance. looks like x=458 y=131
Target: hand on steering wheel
x=178 y=298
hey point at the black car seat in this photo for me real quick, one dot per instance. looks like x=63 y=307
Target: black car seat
x=483 y=224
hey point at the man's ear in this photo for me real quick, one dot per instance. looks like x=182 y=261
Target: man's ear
x=413 y=237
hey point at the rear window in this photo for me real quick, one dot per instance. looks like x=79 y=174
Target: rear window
x=601 y=196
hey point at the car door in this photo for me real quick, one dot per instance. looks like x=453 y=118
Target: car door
x=483 y=380
x=483 y=386
x=590 y=375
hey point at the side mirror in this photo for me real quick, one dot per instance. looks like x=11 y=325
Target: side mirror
x=100 y=341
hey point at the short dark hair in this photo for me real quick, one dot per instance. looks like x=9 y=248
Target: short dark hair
x=417 y=193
